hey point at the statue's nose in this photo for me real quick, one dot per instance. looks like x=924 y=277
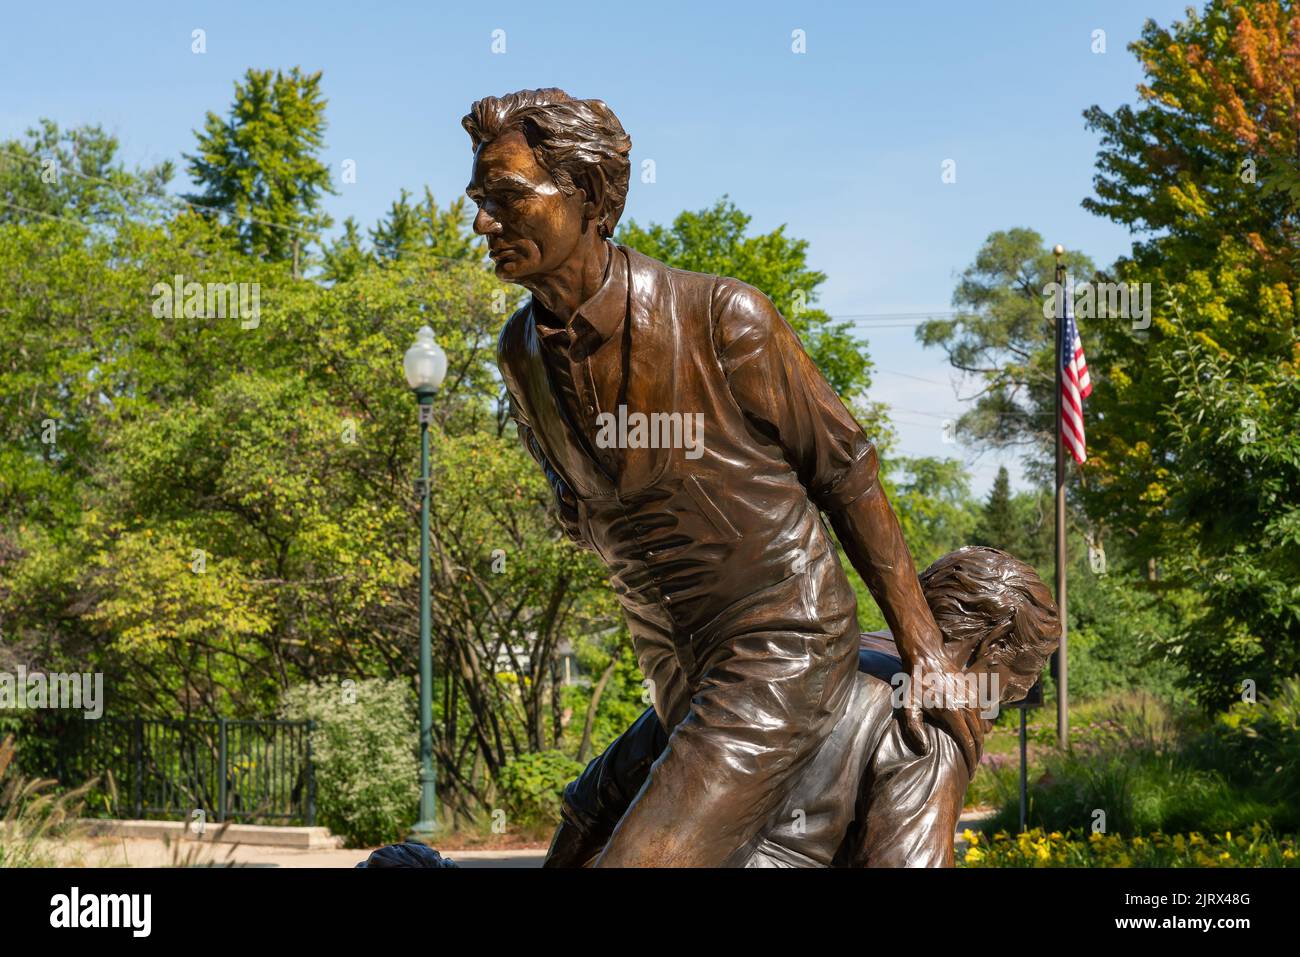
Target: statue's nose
x=485 y=224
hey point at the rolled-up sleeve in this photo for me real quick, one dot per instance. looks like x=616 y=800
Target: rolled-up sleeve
x=785 y=397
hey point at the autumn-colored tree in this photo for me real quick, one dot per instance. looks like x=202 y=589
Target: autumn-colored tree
x=1192 y=461
x=1211 y=150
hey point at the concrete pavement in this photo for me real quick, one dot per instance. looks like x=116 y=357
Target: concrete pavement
x=168 y=844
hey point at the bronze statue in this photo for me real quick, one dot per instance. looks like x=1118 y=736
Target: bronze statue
x=692 y=443
x=866 y=799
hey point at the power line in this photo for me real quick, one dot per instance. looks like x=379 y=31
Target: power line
x=165 y=196
x=883 y=316
x=899 y=325
x=37 y=212
x=951 y=415
x=181 y=200
x=907 y=375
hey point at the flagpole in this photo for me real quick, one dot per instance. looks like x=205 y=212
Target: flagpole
x=1062 y=655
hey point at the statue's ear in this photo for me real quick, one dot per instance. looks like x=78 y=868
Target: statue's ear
x=994 y=647
x=594 y=188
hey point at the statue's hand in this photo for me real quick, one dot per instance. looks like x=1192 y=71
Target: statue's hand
x=949 y=707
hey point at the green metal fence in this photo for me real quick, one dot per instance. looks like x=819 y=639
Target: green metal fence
x=240 y=771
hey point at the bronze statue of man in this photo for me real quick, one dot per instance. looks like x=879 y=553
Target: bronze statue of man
x=740 y=613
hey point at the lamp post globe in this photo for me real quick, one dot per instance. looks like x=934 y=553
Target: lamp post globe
x=425 y=363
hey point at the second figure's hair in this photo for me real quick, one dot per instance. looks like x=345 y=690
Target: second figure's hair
x=997 y=606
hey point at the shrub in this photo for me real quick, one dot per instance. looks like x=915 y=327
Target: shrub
x=1149 y=771
x=364 y=748
x=1258 y=745
x=532 y=788
x=1116 y=635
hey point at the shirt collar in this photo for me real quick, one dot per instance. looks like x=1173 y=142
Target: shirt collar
x=602 y=314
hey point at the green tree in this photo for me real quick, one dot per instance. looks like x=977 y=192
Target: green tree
x=713 y=241
x=208 y=541
x=73 y=174
x=1034 y=514
x=343 y=258
x=999 y=526
x=423 y=225
x=932 y=500
x=1001 y=337
x=1192 y=458
x=259 y=168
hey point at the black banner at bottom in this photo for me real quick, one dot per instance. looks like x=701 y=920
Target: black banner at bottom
x=486 y=908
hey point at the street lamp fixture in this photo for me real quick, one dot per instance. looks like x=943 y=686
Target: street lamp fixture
x=425 y=366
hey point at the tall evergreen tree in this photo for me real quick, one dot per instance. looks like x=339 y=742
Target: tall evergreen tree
x=259 y=168
x=997 y=526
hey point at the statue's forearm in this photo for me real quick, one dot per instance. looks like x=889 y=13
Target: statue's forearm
x=869 y=532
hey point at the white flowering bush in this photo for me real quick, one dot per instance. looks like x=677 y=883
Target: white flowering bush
x=364 y=748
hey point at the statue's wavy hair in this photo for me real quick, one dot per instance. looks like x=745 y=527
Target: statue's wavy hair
x=997 y=607
x=581 y=143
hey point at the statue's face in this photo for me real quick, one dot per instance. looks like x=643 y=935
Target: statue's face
x=991 y=654
x=530 y=225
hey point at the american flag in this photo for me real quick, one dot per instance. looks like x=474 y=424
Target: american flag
x=1075 y=383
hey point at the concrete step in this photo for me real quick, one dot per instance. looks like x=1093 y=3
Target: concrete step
x=271 y=835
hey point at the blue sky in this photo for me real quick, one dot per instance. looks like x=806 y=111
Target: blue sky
x=843 y=143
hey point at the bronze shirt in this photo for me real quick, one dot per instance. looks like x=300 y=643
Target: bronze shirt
x=694 y=537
